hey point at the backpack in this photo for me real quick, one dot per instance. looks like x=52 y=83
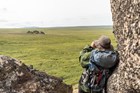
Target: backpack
x=104 y=59
x=98 y=79
x=94 y=78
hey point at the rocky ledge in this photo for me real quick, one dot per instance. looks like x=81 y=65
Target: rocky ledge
x=16 y=77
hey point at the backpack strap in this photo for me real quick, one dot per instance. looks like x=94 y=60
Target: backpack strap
x=98 y=79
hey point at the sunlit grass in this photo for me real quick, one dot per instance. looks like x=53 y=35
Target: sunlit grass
x=56 y=53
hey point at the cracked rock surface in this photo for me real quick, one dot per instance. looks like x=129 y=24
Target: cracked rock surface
x=126 y=28
x=16 y=77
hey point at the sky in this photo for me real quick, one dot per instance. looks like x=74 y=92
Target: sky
x=54 y=13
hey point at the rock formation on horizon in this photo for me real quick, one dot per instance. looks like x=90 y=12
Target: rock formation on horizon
x=16 y=77
x=126 y=27
x=35 y=32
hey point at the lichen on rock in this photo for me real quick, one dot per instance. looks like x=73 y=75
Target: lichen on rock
x=126 y=27
x=16 y=77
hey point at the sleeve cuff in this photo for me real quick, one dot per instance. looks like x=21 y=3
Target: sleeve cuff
x=88 y=48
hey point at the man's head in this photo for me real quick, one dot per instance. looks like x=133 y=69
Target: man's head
x=103 y=42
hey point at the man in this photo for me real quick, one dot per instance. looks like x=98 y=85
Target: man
x=96 y=56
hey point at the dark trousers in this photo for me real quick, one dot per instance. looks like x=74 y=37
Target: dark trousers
x=80 y=90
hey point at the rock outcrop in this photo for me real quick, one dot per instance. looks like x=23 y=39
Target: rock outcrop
x=16 y=77
x=35 y=32
x=126 y=26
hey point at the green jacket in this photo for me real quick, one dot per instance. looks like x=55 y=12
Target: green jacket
x=84 y=61
x=85 y=55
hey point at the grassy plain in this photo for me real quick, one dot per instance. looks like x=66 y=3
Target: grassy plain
x=56 y=53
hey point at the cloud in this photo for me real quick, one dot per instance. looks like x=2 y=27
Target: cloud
x=2 y=20
x=54 y=12
x=3 y=9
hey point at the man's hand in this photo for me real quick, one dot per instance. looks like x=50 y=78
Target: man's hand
x=93 y=45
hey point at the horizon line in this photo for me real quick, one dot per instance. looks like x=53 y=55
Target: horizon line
x=56 y=26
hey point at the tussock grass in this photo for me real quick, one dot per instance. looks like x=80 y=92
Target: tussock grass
x=56 y=53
